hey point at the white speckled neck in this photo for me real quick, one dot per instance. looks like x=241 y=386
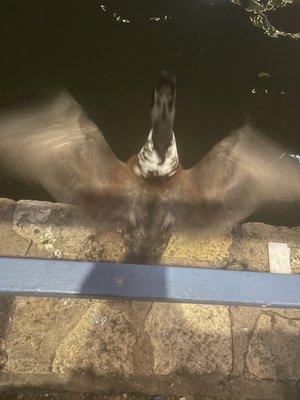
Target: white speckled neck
x=150 y=164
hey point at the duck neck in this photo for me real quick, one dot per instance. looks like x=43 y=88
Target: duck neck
x=158 y=157
x=150 y=161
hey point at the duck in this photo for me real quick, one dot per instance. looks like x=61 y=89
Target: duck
x=57 y=146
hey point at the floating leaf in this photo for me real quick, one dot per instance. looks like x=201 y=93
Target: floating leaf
x=264 y=75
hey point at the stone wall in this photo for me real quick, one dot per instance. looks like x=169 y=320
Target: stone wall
x=211 y=352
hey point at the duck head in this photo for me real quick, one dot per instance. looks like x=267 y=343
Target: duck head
x=158 y=157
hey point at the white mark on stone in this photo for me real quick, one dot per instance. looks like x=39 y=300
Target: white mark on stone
x=57 y=253
x=279 y=258
x=267 y=305
x=99 y=320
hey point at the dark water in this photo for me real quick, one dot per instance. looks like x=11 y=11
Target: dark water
x=109 y=66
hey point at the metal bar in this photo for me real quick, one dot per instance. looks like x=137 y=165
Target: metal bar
x=35 y=277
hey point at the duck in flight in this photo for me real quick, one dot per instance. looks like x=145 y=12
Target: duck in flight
x=57 y=146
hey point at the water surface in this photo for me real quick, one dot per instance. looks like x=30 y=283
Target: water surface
x=107 y=54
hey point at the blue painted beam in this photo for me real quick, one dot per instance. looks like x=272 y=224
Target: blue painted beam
x=53 y=278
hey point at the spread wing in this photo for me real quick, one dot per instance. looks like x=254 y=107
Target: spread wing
x=239 y=175
x=58 y=147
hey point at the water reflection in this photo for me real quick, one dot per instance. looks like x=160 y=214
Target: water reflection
x=118 y=18
x=258 y=14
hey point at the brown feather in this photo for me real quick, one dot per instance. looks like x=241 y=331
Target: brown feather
x=57 y=146
x=239 y=175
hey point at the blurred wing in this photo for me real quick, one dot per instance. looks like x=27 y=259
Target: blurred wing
x=239 y=175
x=57 y=146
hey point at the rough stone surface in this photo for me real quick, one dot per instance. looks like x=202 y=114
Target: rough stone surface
x=243 y=322
x=193 y=250
x=36 y=328
x=251 y=245
x=5 y=307
x=193 y=338
x=64 y=231
x=11 y=241
x=286 y=313
x=212 y=352
x=101 y=342
x=50 y=395
x=274 y=349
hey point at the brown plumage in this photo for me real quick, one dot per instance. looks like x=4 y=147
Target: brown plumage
x=58 y=147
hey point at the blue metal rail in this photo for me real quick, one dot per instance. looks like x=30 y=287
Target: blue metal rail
x=53 y=278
